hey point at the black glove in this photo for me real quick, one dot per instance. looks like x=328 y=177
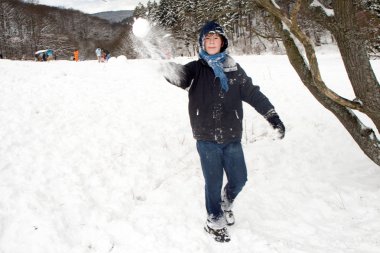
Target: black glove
x=277 y=124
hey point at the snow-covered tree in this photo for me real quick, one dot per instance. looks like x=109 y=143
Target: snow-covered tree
x=341 y=19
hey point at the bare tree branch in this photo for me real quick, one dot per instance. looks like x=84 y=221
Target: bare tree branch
x=310 y=75
x=294 y=13
x=310 y=52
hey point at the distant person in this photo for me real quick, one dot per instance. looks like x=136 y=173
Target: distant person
x=105 y=55
x=217 y=87
x=40 y=55
x=1 y=56
x=36 y=57
x=98 y=53
x=49 y=55
x=76 y=55
x=108 y=55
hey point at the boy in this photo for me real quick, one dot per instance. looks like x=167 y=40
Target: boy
x=217 y=86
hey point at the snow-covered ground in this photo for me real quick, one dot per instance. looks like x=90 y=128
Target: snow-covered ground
x=100 y=158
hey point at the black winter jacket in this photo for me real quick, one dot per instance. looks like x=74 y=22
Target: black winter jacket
x=216 y=115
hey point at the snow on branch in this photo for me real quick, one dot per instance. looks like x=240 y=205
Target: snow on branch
x=295 y=30
x=275 y=4
x=328 y=12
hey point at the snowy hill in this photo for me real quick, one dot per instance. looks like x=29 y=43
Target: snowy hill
x=100 y=158
x=114 y=16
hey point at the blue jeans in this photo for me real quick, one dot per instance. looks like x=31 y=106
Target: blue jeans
x=216 y=159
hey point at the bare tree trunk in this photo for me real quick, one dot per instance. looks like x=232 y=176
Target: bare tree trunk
x=356 y=61
x=2 y=27
x=364 y=137
x=354 y=54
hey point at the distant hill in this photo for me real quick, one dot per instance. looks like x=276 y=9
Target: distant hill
x=31 y=27
x=114 y=16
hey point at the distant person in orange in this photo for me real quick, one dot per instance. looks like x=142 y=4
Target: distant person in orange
x=76 y=55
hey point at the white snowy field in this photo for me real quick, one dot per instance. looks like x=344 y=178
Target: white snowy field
x=100 y=158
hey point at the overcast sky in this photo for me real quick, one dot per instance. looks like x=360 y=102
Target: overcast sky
x=93 y=6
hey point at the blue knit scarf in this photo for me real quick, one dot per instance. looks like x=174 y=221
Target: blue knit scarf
x=216 y=63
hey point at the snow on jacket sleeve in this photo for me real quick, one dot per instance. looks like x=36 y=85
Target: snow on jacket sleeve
x=252 y=95
x=180 y=75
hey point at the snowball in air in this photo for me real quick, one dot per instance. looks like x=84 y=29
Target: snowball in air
x=141 y=27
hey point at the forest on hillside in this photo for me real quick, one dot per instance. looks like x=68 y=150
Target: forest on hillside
x=250 y=29
x=26 y=26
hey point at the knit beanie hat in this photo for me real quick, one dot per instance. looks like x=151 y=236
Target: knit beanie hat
x=213 y=27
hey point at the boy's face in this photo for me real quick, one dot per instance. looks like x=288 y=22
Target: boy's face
x=213 y=43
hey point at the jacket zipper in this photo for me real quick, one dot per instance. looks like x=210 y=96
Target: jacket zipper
x=237 y=115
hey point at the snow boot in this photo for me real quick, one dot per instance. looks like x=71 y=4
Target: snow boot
x=230 y=218
x=227 y=209
x=219 y=235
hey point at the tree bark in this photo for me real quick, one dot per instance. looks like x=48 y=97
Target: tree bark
x=356 y=61
x=364 y=137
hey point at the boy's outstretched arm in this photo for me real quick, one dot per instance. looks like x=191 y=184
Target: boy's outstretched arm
x=177 y=74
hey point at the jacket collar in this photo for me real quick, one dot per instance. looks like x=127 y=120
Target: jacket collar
x=229 y=65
